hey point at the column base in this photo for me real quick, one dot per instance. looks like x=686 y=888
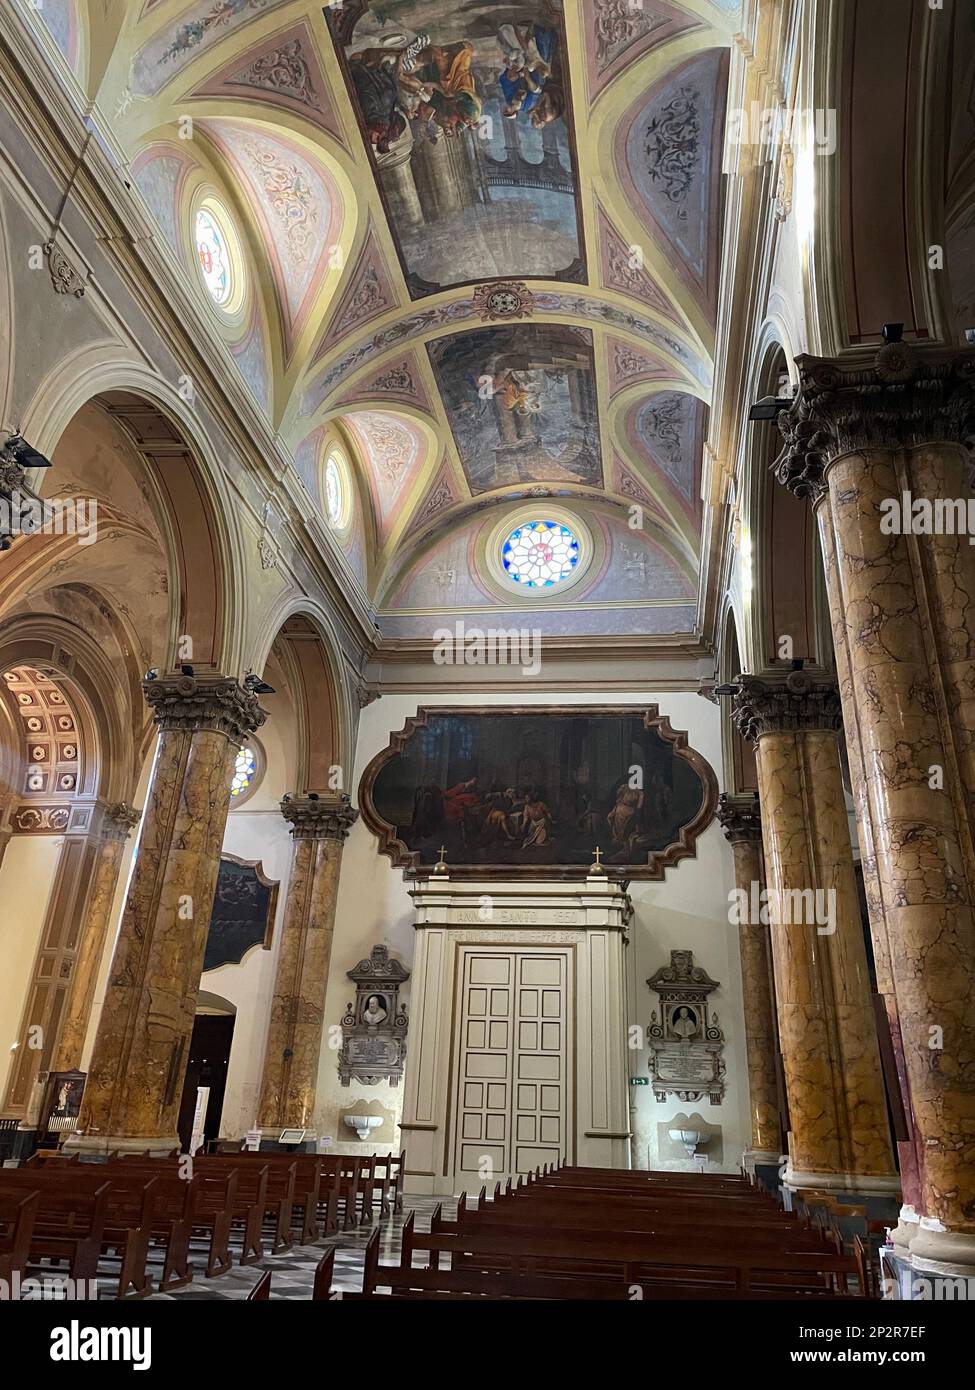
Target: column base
x=906 y=1229
x=765 y=1157
x=935 y=1250
x=100 y=1145
x=865 y=1184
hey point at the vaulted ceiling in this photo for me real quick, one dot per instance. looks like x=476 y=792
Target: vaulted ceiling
x=482 y=251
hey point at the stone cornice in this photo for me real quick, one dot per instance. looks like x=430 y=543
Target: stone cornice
x=203 y=703
x=740 y=819
x=795 y=703
x=319 y=818
x=903 y=397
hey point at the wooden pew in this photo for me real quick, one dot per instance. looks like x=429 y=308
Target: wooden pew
x=18 y=1211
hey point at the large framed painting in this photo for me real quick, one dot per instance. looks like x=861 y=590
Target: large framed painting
x=533 y=792
x=466 y=112
x=244 y=905
x=521 y=401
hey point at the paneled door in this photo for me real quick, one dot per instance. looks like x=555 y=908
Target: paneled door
x=512 y=1059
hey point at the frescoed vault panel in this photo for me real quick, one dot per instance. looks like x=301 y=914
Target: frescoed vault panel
x=668 y=156
x=668 y=430
x=466 y=112
x=521 y=402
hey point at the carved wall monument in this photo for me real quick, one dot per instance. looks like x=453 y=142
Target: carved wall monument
x=375 y=1023
x=685 y=1041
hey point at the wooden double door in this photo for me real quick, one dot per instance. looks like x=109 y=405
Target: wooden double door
x=512 y=1097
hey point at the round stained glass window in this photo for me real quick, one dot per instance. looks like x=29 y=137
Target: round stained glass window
x=540 y=554
x=244 y=769
x=216 y=261
x=334 y=492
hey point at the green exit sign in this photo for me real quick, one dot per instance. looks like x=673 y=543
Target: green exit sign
x=639 y=1081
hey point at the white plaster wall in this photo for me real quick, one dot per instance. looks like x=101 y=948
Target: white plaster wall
x=687 y=910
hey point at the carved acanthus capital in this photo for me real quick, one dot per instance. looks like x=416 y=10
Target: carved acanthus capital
x=203 y=703
x=740 y=818
x=319 y=818
x=795 y=703
x=119 y=821
x=905 y=397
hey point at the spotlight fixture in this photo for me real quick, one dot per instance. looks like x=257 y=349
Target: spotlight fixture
x=186 y=670
x=892 y=332
x=769 y=407
x=151 y=675
x=970 y=336
x=313 y=796
x=726 y=689
x=24 y=455
x=256 y=685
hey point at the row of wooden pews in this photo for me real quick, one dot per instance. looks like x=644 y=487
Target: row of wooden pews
x=595 y=1233
x=136 y=1222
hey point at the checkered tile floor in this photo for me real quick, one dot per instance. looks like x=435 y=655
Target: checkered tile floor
x=292 y=1274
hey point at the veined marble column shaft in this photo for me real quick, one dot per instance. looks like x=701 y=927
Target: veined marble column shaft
x=839 y=1135
x=294 y=1042
x=878 y=442
x=139 y=1061
x=117 y=824
x=742 y=825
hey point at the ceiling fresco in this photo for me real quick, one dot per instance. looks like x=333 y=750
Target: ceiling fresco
x=521 y=403
x=466 y=111
x=480 y=241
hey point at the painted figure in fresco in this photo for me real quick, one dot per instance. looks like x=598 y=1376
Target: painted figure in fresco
x=538 y=821
x=446 y=76
x=496 y=820
x=375 y=76
x=428 y=813
x=623 y=819
x=529 y=52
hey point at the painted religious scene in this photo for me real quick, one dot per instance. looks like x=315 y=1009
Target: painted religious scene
x=538 y=792
x=521 y=401
x=466 y=113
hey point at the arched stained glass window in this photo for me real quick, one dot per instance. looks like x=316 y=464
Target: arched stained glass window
x=244 y=770
x=216 y=260
x=334 y=491
x=540 y=554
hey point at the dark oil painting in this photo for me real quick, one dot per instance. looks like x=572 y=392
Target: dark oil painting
x=243 y=913
x=466 y=111
x=536 y=791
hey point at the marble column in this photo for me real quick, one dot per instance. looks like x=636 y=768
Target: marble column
x=135 y=1078
x=319 y=827
x=742 y=824
x=877 y=441
x=839 y=1136
x=118 y=821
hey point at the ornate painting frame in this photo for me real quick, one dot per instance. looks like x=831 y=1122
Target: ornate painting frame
x=683 y=846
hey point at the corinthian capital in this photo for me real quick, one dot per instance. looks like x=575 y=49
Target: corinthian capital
x=903 y=397
x=203 y=703
x=739 y=818
x=795 y=703
x=319 y=818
